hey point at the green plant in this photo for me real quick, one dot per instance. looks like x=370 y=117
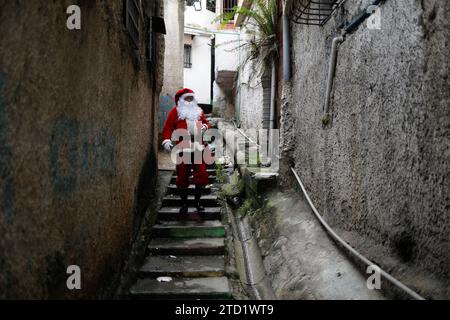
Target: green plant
x=220 y=175
x=260 y=24
x=234 y=188
x=246 y=208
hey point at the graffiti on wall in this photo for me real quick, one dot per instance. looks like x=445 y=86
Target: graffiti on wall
x=7 y=193
x=79 y=153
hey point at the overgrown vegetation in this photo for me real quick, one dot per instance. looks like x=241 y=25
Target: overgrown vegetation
x=248 y=208
x=234 y=188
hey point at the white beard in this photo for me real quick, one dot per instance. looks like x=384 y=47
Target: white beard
x=189 y=110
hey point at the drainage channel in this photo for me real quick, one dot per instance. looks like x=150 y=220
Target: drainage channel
x=248 y=259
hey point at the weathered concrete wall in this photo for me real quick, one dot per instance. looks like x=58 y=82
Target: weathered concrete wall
x=254 y=91
x=77 y=145
x=251 y=105
x=379 y=172
x=173 y=62
x=173 y=57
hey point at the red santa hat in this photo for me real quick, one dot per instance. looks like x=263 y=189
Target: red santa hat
x=184 y=93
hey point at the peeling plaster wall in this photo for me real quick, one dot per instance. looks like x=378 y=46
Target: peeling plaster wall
x=251 y=93
x=77 y=146
x=379 y=172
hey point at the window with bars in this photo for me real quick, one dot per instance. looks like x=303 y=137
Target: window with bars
x=228 y=5
x=211 y=5
x=132 y=15
x=187 y=56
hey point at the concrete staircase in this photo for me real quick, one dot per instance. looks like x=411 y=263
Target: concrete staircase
x=190 y=251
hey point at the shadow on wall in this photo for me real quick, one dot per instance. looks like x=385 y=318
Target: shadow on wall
x=7 y=194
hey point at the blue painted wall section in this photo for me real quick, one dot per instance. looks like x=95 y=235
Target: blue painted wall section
x=166 y=103
x=7 y=193
x=79 y=154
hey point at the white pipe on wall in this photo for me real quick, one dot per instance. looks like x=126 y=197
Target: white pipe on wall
x=331 y=71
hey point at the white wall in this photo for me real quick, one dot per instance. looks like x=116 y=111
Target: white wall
x=198 y=78
x=173 y=61
x=226 y=58
x=202 y=19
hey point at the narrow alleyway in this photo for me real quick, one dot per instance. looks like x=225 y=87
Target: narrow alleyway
x=185 y=256
x=329 y=121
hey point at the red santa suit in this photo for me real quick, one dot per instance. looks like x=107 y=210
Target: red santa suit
x=190 y=117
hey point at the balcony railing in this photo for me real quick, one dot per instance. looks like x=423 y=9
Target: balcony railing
x=228 y=6
x=314 y=12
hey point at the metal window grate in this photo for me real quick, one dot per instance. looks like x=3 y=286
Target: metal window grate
x=187 y=56
x=132 y=20
x=228 y=6
x=314 y=12
x=211 y=5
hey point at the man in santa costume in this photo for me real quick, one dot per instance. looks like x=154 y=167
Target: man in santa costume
x=187 y=115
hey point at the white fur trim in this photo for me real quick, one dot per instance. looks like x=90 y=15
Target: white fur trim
x=165 y=141
x=189 y=110
x=184 y=96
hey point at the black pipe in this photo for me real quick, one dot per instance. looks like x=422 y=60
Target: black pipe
x=213 y=67
x=355 y=23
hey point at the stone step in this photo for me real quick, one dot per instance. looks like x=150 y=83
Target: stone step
x=190 y=246
x=189 y=229
x=171 y=213
x=211 y=179
x=183 y=266
x=182 y=288
x=210 y=171
x=172 y=189
x=175 y=201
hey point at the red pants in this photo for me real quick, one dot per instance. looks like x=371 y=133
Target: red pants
x=200 y=174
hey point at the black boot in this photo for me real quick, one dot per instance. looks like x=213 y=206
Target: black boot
x=184 y=201
x=198 y=195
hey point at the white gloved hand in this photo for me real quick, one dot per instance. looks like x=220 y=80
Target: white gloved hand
x=204 y=128
x=168 y=146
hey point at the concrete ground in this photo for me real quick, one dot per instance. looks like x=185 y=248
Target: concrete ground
x=164 y=161
x=299 y=257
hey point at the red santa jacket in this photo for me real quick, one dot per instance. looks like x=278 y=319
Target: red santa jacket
x=172 y=123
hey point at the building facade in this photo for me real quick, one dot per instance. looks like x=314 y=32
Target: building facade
x=210 y=57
